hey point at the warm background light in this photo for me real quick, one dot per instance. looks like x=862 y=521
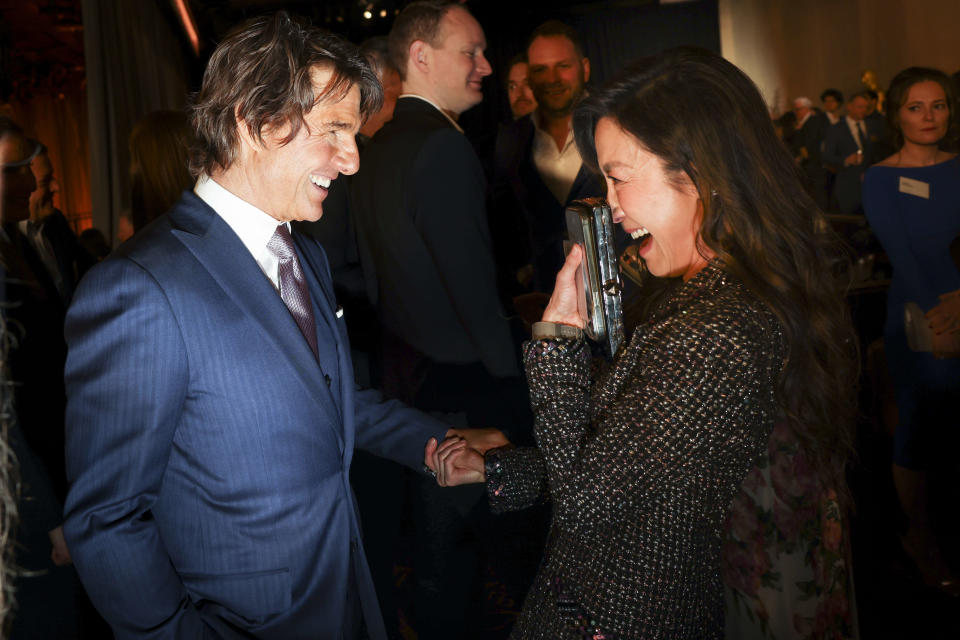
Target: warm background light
x=186 y=19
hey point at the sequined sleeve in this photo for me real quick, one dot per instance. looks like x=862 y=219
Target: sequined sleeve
x=687 y=404
x=516 y=478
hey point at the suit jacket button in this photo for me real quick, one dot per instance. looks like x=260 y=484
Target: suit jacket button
x=326 y=378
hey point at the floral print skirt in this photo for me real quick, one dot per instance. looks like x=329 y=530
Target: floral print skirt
x=786 y=556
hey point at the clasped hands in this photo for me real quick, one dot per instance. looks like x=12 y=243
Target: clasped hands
x=945 y=322
x=855 y=158
x=459 y=458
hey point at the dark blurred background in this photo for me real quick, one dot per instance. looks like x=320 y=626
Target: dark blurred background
x=78 y=74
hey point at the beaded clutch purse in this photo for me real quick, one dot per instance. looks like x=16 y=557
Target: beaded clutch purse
x=590 y=224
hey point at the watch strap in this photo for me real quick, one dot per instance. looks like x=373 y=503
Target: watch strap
x=548 y=330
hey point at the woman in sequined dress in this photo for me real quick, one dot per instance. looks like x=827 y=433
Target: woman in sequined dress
x=642 y=462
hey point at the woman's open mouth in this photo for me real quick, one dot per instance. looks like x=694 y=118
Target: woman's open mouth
x=641 y=237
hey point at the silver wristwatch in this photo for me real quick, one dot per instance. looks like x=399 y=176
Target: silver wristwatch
x=547 y=330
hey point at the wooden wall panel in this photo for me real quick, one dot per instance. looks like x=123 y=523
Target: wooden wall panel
x=793 y=48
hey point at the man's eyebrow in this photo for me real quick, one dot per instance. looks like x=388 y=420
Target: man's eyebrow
x=337 y=125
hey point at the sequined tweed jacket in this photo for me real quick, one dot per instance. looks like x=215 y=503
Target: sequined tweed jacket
x=641 y=465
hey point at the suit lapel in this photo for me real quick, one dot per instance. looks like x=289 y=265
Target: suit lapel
x=211 y=240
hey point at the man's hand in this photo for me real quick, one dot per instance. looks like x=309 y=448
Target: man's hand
x=853 y=159
x=480 y=439
x=563 y=307
x=454 y=462
x=60 y=555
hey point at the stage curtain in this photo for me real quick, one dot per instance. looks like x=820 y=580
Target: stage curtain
x=136 y=63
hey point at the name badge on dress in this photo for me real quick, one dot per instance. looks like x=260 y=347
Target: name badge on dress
x=915 y=187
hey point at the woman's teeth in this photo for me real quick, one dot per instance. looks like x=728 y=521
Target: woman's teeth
x=320 y=182
x=639 y=233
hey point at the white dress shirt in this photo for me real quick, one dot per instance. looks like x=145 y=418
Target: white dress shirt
x=557 y=167
x=852 y=125
x=254 y=226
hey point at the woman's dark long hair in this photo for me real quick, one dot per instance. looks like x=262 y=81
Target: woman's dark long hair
x=703 y=117
x=897 y=96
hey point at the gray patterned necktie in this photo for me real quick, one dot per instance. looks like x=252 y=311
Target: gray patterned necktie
x=293 y=285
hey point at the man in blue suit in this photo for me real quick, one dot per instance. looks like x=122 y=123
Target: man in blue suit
x=849 y=149
x=211 y=412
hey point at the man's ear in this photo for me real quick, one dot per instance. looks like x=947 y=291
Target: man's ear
x=586 y=69
x=419 y=56
x=247 y=139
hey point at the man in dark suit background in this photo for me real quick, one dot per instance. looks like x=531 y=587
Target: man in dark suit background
x=34 y=311
x=519 y=96
x=848 y=149
x=32 y=316
x=211 y=413
x=808 y=143
x=56 y=244
x=538 y=170
x=419 y=207
x=876 y=121
x=419 y=203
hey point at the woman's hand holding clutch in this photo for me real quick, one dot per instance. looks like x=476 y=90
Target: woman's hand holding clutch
x=563 y=307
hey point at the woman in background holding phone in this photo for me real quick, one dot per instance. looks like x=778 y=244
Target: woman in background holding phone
x=912 y=201
x=642 y=463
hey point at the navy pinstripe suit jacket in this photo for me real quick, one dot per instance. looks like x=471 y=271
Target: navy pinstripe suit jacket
x=208 y=455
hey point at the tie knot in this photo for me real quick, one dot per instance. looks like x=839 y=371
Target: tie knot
x=281 y=243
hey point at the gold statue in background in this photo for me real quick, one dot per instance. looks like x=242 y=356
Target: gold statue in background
x=869 y=80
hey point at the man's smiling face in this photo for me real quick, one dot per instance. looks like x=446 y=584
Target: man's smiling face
x=557 y=74
x=457 y=64
x=290 y=181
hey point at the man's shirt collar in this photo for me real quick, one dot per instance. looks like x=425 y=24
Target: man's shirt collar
x=434 y=105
